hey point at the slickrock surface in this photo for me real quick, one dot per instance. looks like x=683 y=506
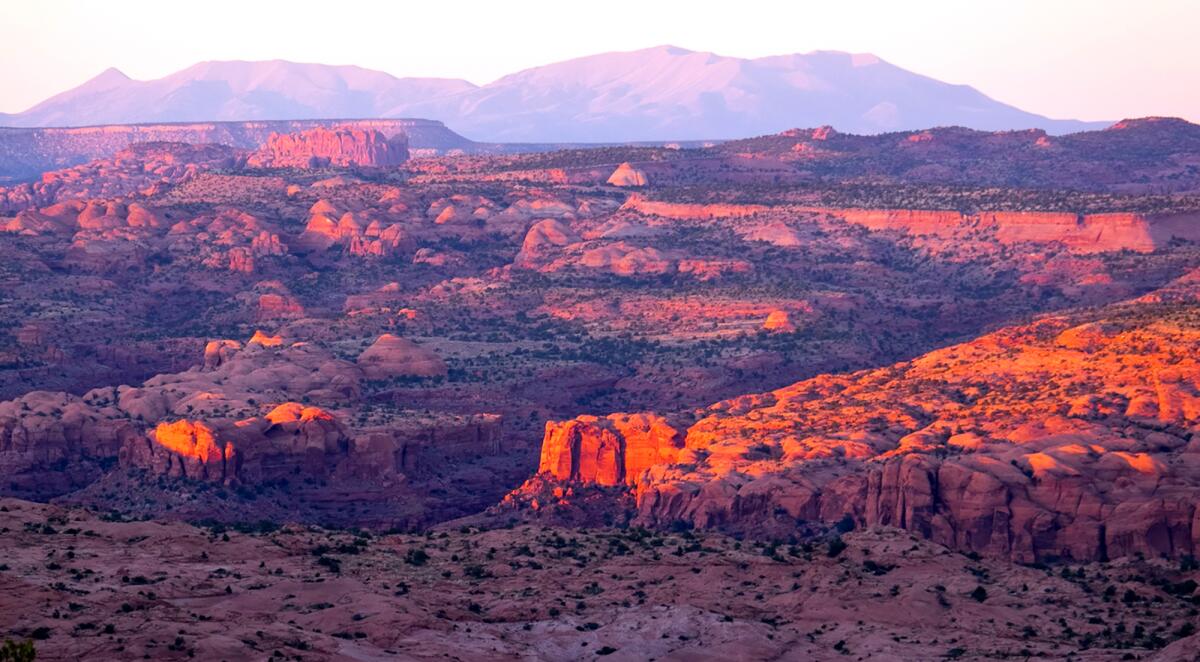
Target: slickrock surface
x=83 y=586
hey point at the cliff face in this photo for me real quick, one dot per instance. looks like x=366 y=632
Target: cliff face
x=1059 y=439
x=608 y=451
x=234 y=419
x=339 y=146
x=689 y=211
x=1079 y=233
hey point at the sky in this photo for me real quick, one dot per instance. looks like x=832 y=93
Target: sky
x=1090 y=60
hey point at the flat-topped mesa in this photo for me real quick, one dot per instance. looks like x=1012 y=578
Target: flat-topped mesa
x=338 y=146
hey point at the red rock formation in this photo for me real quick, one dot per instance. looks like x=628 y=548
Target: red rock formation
x=292 y=440
x=1053 y=440
x=219 y=352
x=51 y=443
x=241 y=260
x=1091 y=233
x=135 y=170
x=278 y=306
x=321 y=147
x=608 y=451
x=627 y=260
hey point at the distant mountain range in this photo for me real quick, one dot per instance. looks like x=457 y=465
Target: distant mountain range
x=655 y=94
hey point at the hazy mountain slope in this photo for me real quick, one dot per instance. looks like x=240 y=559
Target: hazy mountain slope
x=670 y=93
x=661 y=93
x=236 y=91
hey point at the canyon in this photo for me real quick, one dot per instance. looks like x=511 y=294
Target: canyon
x=603 y=390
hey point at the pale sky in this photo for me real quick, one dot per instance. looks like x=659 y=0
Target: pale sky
x=1084 y=59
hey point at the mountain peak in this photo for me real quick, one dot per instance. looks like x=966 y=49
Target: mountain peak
x=108 y=77
x=671 y=50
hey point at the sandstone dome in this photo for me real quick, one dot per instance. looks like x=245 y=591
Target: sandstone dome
x=393 y=356
x=627 y=175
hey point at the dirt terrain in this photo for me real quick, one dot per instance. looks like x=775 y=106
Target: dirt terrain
x=83 y=585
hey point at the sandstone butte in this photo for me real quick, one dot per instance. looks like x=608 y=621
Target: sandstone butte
x=338 y=146
x=1067 y=438
x=542 y=238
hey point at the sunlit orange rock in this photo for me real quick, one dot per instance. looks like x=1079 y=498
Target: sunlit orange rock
x=264 y=340
x=608 y=451
x=1060 y=439
x=218 y=352
x=780 y=321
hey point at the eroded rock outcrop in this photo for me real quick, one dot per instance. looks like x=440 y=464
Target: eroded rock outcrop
x=290 y=442
x=51 y=443
x=542 y=240
x=608 y=451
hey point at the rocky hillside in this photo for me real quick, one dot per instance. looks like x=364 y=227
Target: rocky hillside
x=1146 y=155
x=1074 y=437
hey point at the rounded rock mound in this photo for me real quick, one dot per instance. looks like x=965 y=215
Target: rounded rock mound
x=392 y=356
